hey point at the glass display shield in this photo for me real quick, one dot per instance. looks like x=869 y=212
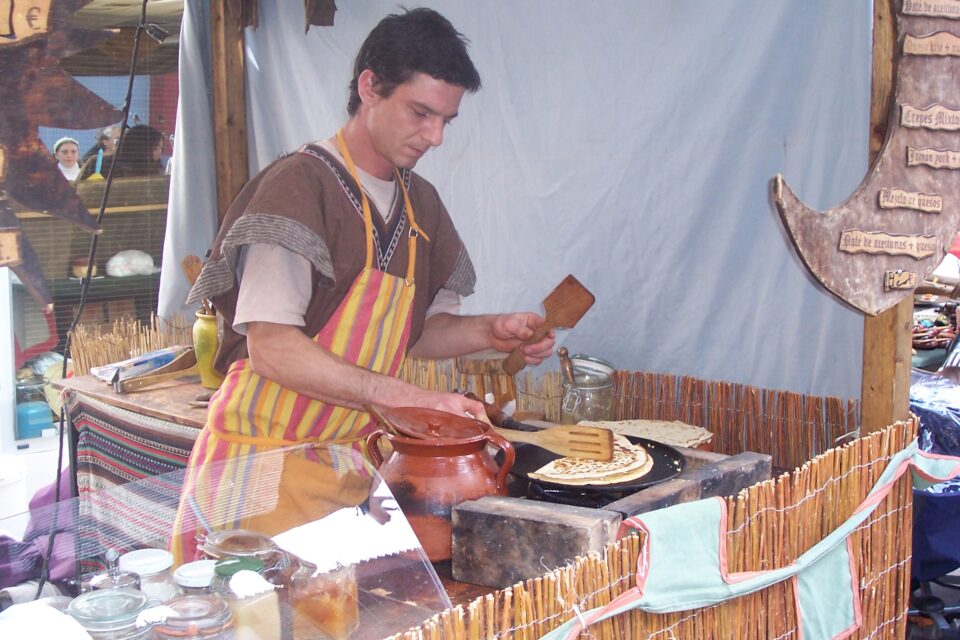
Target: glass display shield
x=318 y=524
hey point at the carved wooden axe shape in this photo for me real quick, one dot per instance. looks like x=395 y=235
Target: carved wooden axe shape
x=564 y=307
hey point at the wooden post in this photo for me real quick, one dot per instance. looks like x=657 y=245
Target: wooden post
x=229 y=102
x=885 y=390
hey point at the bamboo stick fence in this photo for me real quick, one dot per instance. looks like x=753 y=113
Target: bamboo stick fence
x=770 y=525
x=96 y=345
x=790 y=427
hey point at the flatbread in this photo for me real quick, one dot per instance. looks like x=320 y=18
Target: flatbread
x=630 y=462
x=674 y=433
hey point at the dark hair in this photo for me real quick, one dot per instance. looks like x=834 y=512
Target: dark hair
x=419 y=40
x=136 y=157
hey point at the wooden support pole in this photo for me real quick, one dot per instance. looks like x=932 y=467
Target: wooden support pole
x=885 y=388
x=229 y=102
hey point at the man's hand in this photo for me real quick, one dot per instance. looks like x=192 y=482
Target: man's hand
x=454 y=403
x=511 y=330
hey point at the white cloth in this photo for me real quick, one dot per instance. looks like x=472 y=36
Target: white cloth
x=631 y=145
x=70 y=173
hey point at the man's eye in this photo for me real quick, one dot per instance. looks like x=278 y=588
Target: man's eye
x=419 y=114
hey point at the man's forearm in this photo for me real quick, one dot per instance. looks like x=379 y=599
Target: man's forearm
x=284 y=354
x=447 y=336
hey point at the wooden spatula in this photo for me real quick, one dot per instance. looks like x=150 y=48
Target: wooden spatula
x=564 y=307
x=191 y=266
x=566 y=440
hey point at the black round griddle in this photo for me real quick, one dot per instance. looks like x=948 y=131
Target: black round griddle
x=667 y=464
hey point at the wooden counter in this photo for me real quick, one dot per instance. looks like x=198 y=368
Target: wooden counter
x=165 y=401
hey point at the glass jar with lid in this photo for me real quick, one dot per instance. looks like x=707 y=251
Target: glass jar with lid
x=242 y=543
x=194 y=578
x=589 y=396
x=153 y=567
x=196 y=617
x=325 y=600
x=111 y=614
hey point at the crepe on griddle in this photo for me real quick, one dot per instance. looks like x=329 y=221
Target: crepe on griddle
x=630 y=462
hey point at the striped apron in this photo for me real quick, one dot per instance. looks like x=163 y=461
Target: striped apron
x=238 y=470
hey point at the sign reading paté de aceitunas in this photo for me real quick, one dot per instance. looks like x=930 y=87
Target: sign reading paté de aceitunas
x=859 y=241
x=932 y=8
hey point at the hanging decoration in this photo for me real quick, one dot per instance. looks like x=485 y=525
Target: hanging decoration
x=37 y=92
x=872 y=250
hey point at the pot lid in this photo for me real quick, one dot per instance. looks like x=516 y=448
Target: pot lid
x=431 y=424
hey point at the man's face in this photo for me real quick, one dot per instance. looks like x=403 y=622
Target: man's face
x=67 y=154
x=411 y=120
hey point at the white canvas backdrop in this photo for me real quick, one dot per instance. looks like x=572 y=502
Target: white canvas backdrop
x=629 y=142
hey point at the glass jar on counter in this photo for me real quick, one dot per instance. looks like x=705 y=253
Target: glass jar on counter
x=589 y=396
x=241 y=543
x=194 y=578
x=325 y=600
x=197 y=617
x=153 y=567
x=254 y=603
x=111 y=614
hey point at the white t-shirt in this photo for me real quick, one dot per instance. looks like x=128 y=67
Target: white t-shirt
x=275 y=283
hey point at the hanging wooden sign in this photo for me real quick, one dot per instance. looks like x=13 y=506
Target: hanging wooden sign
x=933 y=158
x=891 y=233
x=19 y=22
x=932 y=8
x=900 y=280
x=9 y=247
x=35 y=91
x=900 y=199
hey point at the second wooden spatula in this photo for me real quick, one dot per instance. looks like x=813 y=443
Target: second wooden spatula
x=567 y=440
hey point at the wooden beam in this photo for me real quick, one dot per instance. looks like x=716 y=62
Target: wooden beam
x=885 y=388
x=229 y=102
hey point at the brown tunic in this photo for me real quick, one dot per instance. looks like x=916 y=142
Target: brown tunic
x=308 y=203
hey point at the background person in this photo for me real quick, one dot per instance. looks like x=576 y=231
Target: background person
x=67 y=153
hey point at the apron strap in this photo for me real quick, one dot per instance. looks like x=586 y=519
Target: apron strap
x=415 y=230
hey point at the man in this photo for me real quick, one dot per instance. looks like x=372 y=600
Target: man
x=66 y=151
x=336 y=261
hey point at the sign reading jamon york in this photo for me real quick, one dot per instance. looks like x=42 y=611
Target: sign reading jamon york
x=892 y=232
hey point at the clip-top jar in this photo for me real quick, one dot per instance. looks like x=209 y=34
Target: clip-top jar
x=197 y=618
x=111 y=614
x=153 y=567
x=590 y=395
x=242 y=543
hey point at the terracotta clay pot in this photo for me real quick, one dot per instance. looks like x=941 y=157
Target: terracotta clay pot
x=439 y=461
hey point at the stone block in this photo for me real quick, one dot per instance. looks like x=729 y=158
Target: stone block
x=498 y=541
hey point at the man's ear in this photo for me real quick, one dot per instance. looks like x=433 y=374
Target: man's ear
x=367 y=86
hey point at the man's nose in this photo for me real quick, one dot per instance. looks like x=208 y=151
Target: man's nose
x=434 y=131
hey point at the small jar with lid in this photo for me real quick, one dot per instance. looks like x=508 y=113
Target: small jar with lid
x=242 y=543
x=195 y=578
x=589 y=396
x=193 y=617
x=153 y=567
x=111 y=614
